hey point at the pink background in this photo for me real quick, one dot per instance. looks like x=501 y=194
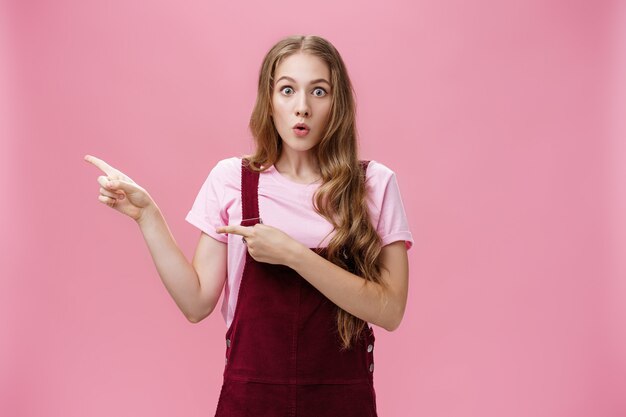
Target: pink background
x=503 y=120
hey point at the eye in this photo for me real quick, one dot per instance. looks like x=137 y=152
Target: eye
x=286 y=90
x=319 y=92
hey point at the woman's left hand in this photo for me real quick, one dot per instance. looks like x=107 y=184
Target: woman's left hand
x=266 y=243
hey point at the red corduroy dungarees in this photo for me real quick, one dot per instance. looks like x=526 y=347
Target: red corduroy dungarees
x=283 y=356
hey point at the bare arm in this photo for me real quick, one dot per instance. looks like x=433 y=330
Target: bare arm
x=363 y=299
x=195 y=287
x=366 y=300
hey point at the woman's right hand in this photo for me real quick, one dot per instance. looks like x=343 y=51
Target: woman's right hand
x=120 y=192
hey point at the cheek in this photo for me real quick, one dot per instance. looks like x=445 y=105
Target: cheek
x=278 y=107
x=325 y=110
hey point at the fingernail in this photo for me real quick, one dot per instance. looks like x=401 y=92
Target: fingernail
x=120 y=197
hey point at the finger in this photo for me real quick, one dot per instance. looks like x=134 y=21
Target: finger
x=118 y=196
x=105 y=184
x=118 y=185
x=107 y=200
x=108 y=169
x=235 y=229
x=103 y=180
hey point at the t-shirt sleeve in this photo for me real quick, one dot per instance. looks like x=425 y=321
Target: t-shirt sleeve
x=207 y=211
x=392 y=223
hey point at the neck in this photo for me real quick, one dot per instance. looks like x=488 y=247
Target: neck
x=299 y=166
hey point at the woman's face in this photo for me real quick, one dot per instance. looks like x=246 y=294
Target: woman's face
x=302 y=94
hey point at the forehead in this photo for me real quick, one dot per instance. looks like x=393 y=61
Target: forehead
x=302 y=67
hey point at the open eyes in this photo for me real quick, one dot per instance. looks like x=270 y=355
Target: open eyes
x=317 y=92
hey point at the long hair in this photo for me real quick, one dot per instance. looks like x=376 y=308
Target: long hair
x=342 y=197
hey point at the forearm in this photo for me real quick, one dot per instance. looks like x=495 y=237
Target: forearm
x=366 y=300
x=177 y=274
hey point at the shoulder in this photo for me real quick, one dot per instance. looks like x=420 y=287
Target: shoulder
x=381 y=185
x=378 y=174
x=227 y=170
x=224 y=176
x=229 y=165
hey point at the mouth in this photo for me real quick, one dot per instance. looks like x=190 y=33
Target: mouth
x=301 y=129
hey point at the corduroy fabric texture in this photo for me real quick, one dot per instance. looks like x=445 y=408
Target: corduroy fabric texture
x=283 y=352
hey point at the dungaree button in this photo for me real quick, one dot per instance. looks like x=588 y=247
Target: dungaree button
x=227 y=342
x=370 y=347
x=372 y=367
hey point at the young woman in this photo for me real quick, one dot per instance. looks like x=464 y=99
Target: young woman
x=310 y=241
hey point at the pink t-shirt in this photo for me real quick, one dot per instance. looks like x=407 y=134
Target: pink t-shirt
x=288 y=206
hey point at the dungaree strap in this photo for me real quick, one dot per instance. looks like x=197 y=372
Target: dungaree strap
x=364 y=165
x=249 y=194
x=283 y=353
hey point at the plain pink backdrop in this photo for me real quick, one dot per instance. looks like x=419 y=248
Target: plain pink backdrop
x=504 y=121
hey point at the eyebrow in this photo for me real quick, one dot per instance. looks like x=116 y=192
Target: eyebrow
x=319 y=80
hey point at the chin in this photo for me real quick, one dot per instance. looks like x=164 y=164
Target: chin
x=300 y=145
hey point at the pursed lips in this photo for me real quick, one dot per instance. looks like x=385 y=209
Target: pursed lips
x=301 y=129
x=301 y=126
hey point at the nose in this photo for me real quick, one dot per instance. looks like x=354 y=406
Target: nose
x=302 y=107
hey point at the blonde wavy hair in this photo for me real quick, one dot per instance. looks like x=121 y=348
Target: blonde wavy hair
x=341 y=197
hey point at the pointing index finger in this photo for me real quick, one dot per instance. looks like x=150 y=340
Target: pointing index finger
x=108 y=169
x=235 y=229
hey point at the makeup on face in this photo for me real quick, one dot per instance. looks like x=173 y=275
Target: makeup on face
x=301 y=100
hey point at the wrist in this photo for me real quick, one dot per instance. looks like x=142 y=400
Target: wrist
x=296 y=255
x=149 y=215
